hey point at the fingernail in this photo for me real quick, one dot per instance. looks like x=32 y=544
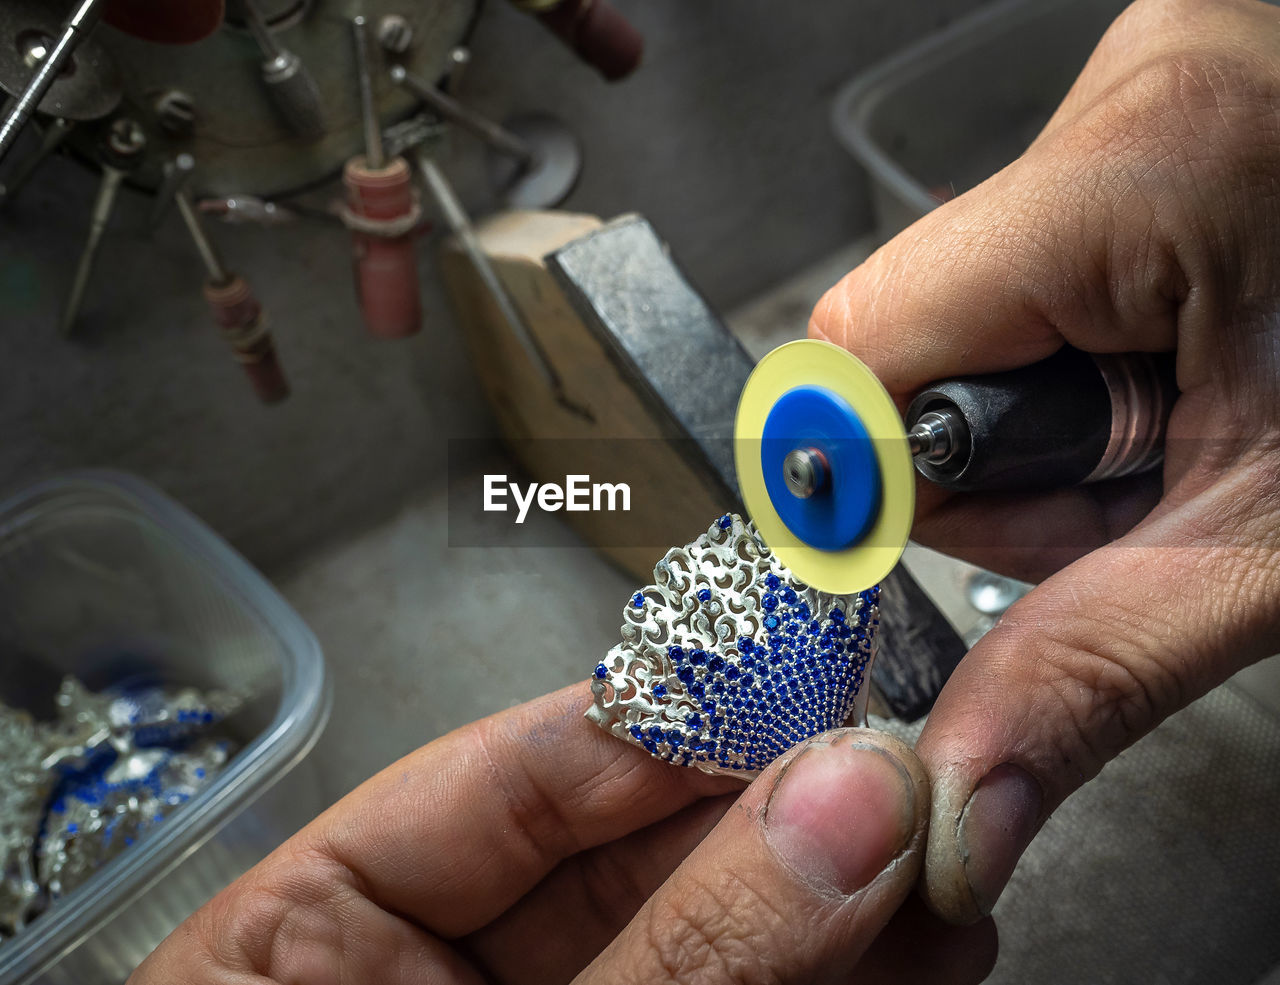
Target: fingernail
x=839 y=814
x=996 y=827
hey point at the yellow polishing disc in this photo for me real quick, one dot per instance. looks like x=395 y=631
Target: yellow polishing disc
x=820 y=364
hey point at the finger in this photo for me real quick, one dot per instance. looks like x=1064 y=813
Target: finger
x=596 y=893
x=1031 y=535
x=456 y=832
x=1087 y=663
x=795 y=882
x=1086 y=239
x=1090 y=239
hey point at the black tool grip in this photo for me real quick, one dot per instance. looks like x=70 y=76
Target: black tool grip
x=1043 y=426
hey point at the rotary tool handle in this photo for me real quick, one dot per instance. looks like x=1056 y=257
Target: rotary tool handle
x=1069 y=419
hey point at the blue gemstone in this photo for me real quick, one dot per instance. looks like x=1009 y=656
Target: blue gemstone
x=602 y=671
x=748 y=680
x=651 y=746
x=636 y=731
x=685 y=674
x=694 y=722
x=770 y=622
x=803 y=612
x=716 y=663
x=717 y=721
x=637 y=599
x=745 y=644
x=731 y=673
x=836 y=614
x=659 y=690
x=704 y=594
x=788 y=595
x=709 y=707
x=675 y=652
x=655 y=733
x=769 y=601
x=717 y=687
x=772 y=581
x=697 y=656
x=725 y=522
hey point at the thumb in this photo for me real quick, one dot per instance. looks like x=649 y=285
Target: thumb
x=796 y=881
x=1082 y=667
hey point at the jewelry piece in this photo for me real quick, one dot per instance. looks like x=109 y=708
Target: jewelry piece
x=727 y=661
x=79 y=790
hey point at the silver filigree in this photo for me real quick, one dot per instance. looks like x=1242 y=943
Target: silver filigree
x=78 y=790
x=727 y=660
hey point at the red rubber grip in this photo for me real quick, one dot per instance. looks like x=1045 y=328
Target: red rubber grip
x=386 y=265
x=239 y=316
x=598 y=34
x=166 y=21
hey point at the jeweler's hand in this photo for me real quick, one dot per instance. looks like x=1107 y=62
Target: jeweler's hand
x=532 y=847
x=1146 y=217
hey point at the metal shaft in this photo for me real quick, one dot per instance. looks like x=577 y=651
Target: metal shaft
x=176 y=175
x=258 y=28
x=218 y=275
x=49 y=142
x=98 y=219
x=456 y=216
x=74 y=31
x=497 y=137
x=374 y=158
x=937 y=434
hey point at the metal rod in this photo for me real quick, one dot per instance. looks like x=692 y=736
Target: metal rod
x=258 y=28
x=374 y=158
x=218 y=275
x=497 y=137
x=176 y=175
x=98 y=219
x=49 y=141
x=456 y=216
x=74 y=31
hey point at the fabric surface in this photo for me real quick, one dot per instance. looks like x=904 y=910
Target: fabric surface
x=1163 y=870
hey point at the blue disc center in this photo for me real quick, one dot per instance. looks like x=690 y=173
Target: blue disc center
x=843 y=507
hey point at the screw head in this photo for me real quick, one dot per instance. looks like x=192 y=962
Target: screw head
x=176 y=112
x=395 y=34
x=126 y=137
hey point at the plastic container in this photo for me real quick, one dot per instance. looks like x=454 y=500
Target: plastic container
x=949 y=111
x=103 y=577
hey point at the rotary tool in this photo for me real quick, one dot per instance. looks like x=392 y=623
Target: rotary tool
x=825 y=463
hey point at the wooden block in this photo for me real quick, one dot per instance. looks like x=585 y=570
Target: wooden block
x=671 y=502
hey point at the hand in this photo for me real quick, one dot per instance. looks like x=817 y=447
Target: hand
x=532 y=847
x=1146 y=217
